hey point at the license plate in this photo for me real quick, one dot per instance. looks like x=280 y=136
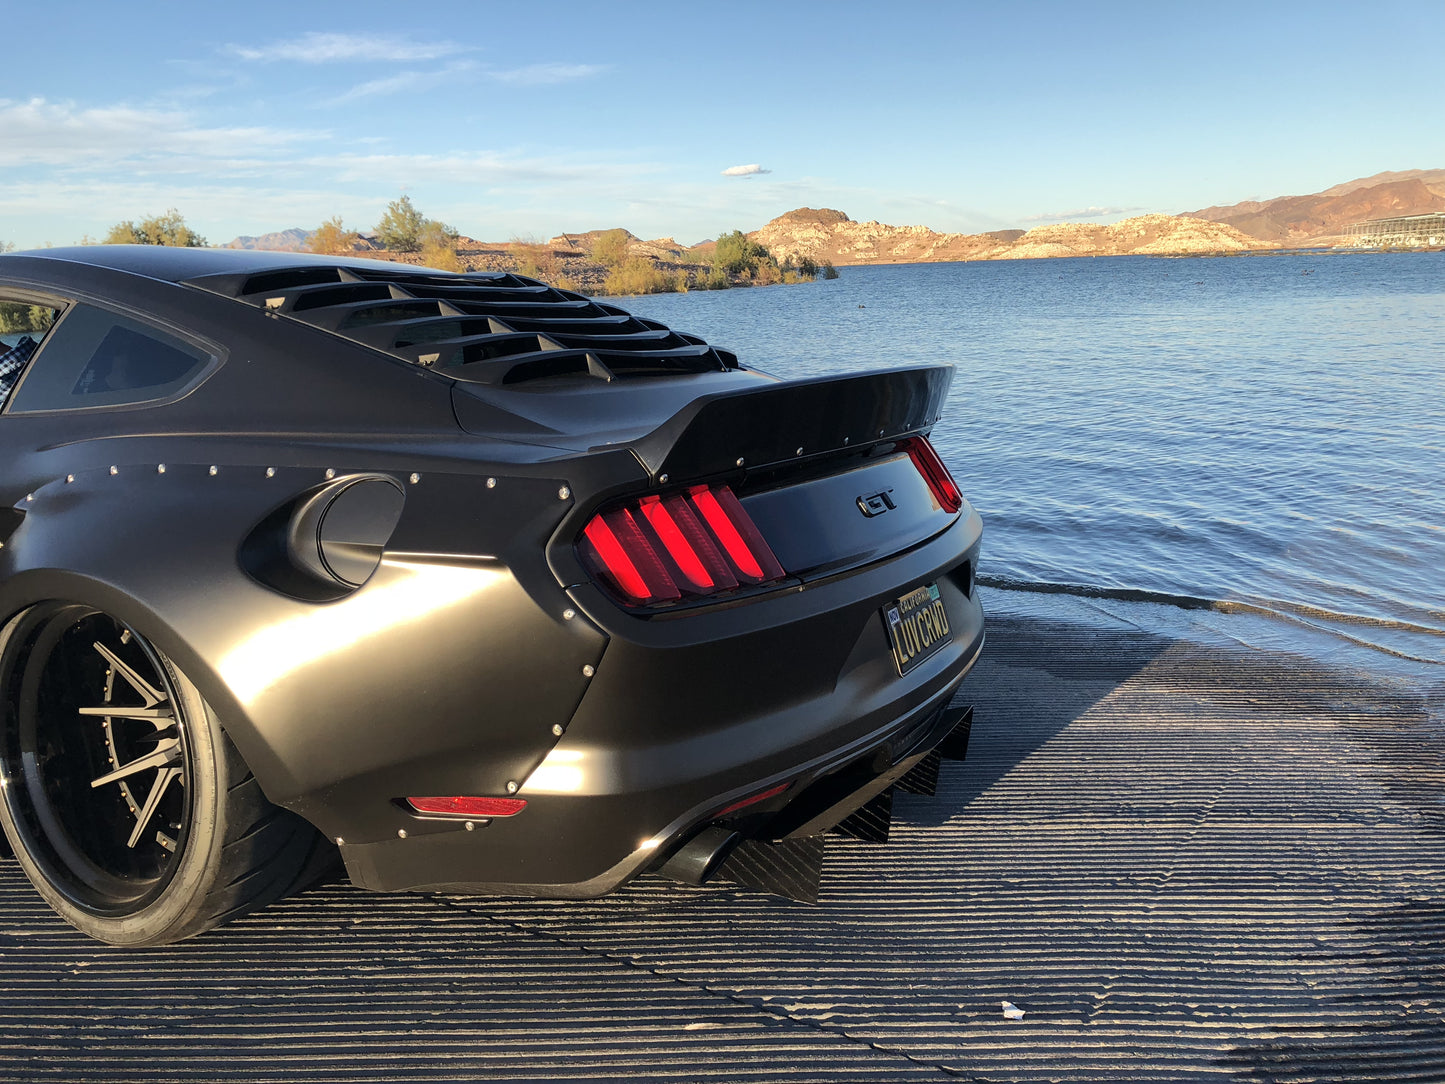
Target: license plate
x=917 y=627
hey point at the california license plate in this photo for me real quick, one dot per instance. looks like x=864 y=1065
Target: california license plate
x=917 y=627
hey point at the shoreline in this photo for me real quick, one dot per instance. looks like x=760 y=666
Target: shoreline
x=1221 y=626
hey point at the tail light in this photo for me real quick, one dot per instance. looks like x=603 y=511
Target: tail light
x=940 y=482
x=690 y=544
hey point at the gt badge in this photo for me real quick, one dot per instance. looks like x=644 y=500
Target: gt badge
x=877 y=504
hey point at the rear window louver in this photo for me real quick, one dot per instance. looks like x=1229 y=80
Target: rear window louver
x=482 y=327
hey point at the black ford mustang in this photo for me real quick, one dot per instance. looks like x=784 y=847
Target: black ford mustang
x=493 y=587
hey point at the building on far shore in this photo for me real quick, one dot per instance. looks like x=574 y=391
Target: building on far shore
x=1415 y=230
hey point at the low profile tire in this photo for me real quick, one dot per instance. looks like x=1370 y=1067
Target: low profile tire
x=124 y=800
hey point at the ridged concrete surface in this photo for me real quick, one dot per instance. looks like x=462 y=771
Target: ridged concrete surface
x=1182 y=864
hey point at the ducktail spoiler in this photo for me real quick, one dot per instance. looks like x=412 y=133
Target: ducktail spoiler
x=799 y=418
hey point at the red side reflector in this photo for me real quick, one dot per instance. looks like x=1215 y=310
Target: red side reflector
x=772 y=792
x=463 y=806
x=940 y=482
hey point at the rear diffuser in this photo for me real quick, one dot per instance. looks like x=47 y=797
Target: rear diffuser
x=789 y=867
x=870 y=823
x=922 y=778
x=955 y=746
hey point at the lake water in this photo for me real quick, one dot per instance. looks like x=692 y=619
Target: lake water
x=1262 y=435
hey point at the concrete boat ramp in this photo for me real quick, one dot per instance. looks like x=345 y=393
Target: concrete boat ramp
x=1182 y=863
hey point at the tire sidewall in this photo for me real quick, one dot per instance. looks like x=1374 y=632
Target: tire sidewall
x=170 y=915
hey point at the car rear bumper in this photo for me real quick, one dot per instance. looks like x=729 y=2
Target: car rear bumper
x=671 y=733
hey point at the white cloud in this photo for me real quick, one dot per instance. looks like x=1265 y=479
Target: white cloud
x=39 y=132
x=752 y=170
x=478 y=168
x=319 y=48
x=1082 y=212
x=536 y=75
x=402 y=81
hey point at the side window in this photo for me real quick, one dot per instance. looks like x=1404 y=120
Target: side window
x=23 y=327
x=96 y=358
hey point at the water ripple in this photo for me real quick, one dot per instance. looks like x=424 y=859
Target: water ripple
x=1226 y=431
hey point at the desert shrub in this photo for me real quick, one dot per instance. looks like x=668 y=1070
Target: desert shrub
x=829 y=271
x=535 y=260
x=442 y=256
x=736 y=254
x=638 y=275
x=610 y=248
x=400 y=228
x=167 y=229
x=405 y=229
x=439 y=246
x=331 y=238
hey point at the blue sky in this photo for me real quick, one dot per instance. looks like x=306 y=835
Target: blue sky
x=530 y=119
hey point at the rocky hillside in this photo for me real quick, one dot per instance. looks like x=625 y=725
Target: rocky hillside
x=1145 y=235
x=292 y=240
x=1322 y=217
x=826 y=234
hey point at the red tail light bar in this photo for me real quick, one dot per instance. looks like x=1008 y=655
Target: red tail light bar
x=689 y=544
x=944 y=488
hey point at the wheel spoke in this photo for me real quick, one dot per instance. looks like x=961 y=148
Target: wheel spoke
x=160 y=716
x=148 y=692
x=167 y=752
x=153 y=800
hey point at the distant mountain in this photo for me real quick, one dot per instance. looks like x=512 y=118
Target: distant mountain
x=826 y=234
x=292 y=240
x=823 y=233
x=1294 y=220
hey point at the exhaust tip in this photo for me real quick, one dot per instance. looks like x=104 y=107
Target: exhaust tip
x=701 y=856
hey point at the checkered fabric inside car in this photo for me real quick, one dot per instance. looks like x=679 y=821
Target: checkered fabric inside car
x=12 y=364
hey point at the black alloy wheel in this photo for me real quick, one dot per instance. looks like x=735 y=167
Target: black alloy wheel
x=123 y=798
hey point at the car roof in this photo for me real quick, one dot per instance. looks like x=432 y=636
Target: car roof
x=489 y=327
x=178 y=264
